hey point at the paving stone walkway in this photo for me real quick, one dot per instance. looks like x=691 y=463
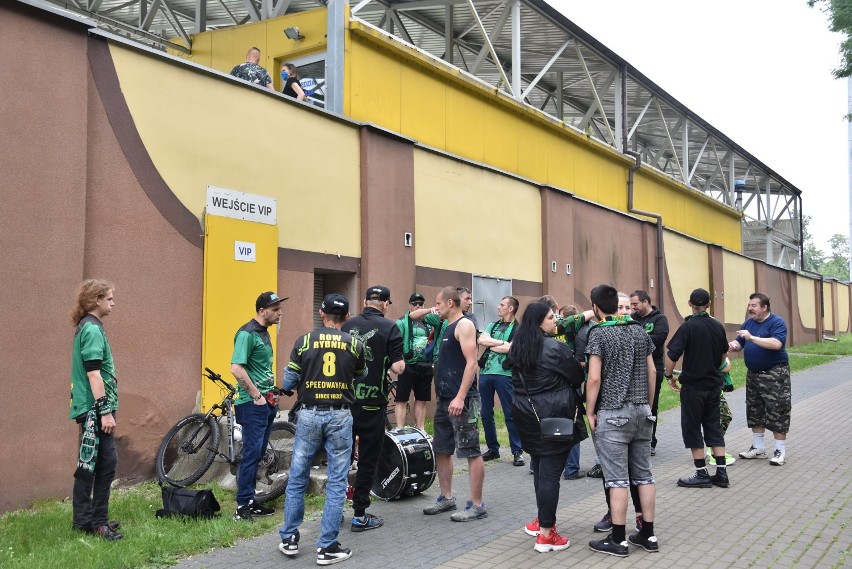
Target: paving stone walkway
x=797 y=515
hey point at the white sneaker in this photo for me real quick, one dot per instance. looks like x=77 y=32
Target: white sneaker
x=778 y=458
x=754 y=453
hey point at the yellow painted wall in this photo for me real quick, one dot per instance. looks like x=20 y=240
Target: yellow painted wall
x=739 y=284
x=396 y=87
x=843 y=307
x=400 y=89
x=223 y=49
x=688 y=267
x=230 y=291
x=202 y=131
x=828 y=317
x=806 y=301
x=476 y=221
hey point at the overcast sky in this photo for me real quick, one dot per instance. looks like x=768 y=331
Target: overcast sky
x=757 y=70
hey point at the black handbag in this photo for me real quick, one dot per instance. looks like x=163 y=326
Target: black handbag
x=553 y=428
x=184 y=502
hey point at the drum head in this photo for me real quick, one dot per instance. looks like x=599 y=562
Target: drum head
x=407 y=448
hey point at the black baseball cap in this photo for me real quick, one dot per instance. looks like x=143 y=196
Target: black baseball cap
x=378 y=292
x=699 y=297
x=335 y=304
x=416 y=296
x=267 y=299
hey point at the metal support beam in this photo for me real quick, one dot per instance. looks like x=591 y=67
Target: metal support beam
x=336 y=26
x=560 y=106
x=280 y=8
x=449 y=30
x=497 y=28
x=254 y=14
x=595 y=92
x=544 y=70
x=200 y=23
x=516 y=49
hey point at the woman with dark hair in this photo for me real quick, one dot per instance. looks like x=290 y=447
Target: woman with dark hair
x=292 y=87
x=544 y=378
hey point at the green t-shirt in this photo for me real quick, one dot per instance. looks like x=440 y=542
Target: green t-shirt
x=494 y=364
x=415 y=336
x=567 y=328
x=253 y=351
x=90 y=344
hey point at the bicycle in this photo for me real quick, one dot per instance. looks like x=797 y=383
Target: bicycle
x=192 y=444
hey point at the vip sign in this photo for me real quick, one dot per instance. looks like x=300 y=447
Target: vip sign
x=240 y=205
x=244 y=251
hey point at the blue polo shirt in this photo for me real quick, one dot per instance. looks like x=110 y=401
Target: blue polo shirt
x=761 y=359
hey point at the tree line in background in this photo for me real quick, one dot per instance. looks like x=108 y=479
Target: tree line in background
x=835 y=263
x=840 y=20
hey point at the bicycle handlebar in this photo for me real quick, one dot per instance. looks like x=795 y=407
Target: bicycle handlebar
x=216 y=378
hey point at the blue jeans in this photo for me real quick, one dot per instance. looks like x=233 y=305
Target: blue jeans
x=502 y=385
x=572 y=463
x=332 y=431
x=256 y=421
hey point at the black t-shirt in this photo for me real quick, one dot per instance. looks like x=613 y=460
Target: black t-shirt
x=657 y=327
x=288 y=87
x=327 y=360
x=702 y=342
x=383 y=348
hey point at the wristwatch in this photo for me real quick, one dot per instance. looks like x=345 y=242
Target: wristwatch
x=669 y=377
x=258 y=398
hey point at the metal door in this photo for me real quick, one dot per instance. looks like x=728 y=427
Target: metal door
x=487 y=292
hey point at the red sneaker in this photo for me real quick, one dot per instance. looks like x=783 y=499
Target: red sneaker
x=554 y=542
x=533 y=527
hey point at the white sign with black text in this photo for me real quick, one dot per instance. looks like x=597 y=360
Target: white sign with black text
x=239 y=205
x=244 y=251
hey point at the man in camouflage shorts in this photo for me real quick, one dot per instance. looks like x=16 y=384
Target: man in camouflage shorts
x=768 y=401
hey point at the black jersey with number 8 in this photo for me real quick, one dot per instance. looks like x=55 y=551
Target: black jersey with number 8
x=327 y=360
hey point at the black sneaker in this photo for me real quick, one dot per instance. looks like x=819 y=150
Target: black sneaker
x=490 y=455
x=595 y=472
x=290 y=546
x=243 y=514
x=261 y=510
x=368 y=521
x=701 y=479
x=646 y=543
x=720 y=479
x=519 y=459
x=334 y=553
x=608 y=546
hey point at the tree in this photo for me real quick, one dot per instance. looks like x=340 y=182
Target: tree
x=814 y=257
x=840 y=21
x=836 y=264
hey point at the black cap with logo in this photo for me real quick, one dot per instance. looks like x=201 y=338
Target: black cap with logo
x=335 y=304
x=378 y=292
x=267 y=299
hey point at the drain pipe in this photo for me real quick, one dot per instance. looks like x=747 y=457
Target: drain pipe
x=660 y=266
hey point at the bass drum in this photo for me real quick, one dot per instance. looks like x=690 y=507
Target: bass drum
x=406 y=466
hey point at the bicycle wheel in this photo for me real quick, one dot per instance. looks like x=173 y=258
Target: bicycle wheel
x=273 y=470
x=188 y=450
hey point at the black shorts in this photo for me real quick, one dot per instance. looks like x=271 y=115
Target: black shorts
x=699 y=412
x=417 y=377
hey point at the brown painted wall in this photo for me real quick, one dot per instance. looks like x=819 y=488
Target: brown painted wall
x=42 y=229
x=608 y=248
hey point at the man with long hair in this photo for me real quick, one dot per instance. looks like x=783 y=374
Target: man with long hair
x=94 y=402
